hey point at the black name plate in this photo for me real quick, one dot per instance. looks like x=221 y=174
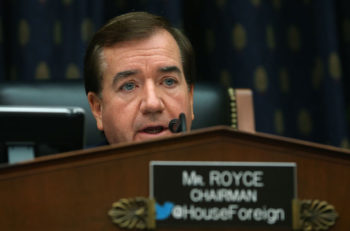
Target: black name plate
x=222 y=194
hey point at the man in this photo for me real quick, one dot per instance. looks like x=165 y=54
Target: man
x=138 y=76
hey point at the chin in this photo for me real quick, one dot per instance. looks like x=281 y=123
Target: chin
x=142 y=136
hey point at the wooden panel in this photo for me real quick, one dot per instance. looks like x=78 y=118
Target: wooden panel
x=74 y=191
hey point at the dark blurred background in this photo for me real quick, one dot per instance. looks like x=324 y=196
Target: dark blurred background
x=293 y=54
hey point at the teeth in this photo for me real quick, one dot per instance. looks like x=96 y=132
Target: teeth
x=153 y=130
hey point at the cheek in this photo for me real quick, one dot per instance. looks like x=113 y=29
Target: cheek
x=180 y=103
x=118 y=113
x=118 y=123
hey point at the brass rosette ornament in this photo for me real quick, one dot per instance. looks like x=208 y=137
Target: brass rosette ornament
x=315 y=215
x=134 y=213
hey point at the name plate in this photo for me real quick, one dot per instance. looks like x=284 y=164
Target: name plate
x=222 y=194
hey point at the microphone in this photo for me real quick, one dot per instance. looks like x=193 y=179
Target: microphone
x=178 y=125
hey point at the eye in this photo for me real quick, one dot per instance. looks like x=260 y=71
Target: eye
x=169 y=82
x=129 y=86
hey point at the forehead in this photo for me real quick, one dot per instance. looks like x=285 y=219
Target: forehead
x=159 y=46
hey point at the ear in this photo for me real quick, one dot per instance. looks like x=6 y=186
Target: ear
x=96 y=108
x=191 y=99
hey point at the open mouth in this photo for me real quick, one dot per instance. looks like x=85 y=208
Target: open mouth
x=153 y=130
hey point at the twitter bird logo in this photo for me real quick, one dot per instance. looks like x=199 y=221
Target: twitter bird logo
x=164 y=211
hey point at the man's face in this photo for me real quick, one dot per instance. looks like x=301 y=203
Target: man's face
x=143 y=88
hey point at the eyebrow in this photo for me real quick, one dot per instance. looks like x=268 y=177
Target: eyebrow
x=127 y=73
x=169 y=69
x=123 y=74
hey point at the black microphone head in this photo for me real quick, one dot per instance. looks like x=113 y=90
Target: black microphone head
x=174 y=125
x=183 y=123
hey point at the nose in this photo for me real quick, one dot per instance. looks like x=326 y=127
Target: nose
x=152 y=101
